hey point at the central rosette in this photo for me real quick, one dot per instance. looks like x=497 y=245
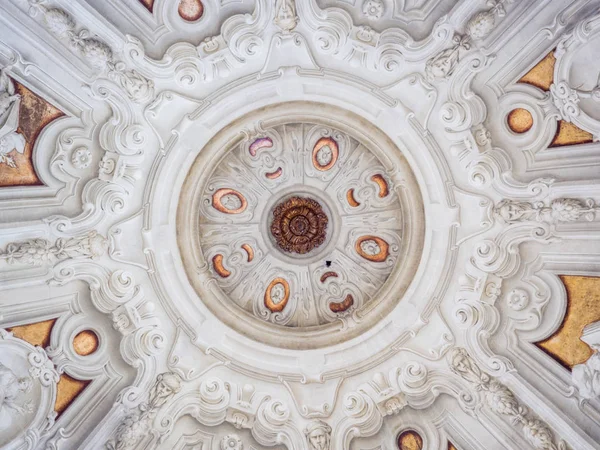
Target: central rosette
x=299 y=225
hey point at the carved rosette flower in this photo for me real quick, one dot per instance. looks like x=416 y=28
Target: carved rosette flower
x=299 y=225
x=231 y=442
x=373 y=9
x=81 y=158
x=517 y=299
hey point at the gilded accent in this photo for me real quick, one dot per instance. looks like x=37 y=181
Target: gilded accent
x=326 y=160
x=372 y=248
x=68 y=389
x=275 y=174
x=570 y=134
x=382 y=184
x=451 y=446
x=273 y=304
x=149 y=4
x=520 y=120
x=249 y=251
x=258 y=144
x=219 y=201
x=190 y=10
x=35 y=333
x=583 y=308
x=350 y=197
x=328 y=275
x=219 y=267
x=34 y=114
x=542 y=74
x=86 y=343
x=410 y=440
x=338 y=307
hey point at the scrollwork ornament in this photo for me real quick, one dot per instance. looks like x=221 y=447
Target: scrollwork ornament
x=42 y=368
x=566 y=100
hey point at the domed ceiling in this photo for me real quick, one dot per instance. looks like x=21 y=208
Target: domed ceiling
x=300 y=224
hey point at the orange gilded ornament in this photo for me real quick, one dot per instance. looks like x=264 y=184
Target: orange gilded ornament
x=325 y=154
x=219 y=267
x=277 y=295
x=351 y=200
x=372 y=248
x=338 y=307
x=229 y=201
x=383 y=185
x=190 y=10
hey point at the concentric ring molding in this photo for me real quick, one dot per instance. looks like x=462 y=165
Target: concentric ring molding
x=183 y=139
x=410 y=248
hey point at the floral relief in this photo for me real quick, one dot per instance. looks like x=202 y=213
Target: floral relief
x=373 y=9
x=40 y=251
x=502 y=401
x=558 y=210
x=98 y=54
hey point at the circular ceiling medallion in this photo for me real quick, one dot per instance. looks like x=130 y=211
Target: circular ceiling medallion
x=305 y=224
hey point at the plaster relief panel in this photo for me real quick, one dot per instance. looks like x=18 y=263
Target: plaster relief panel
x=23 y=115
x=542 y=77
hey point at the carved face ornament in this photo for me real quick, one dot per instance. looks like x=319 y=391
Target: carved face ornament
x=318 y=440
